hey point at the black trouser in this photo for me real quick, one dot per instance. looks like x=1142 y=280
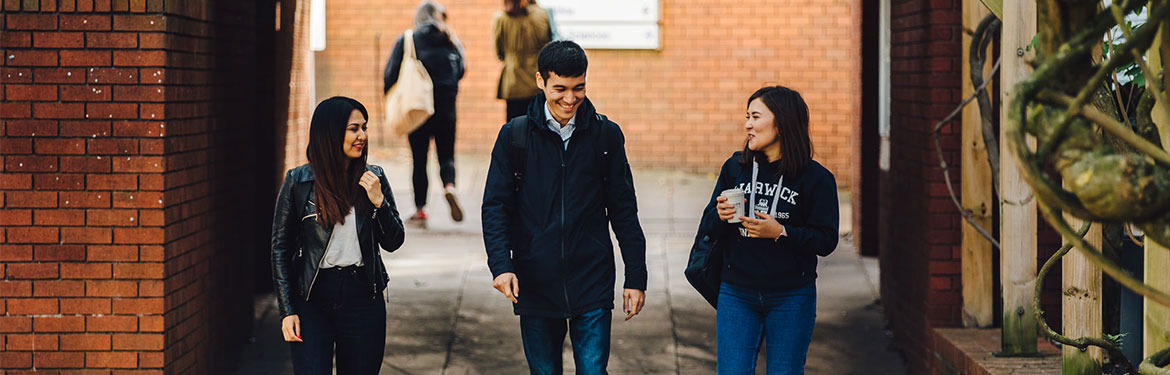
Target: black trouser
x=517 y=108
x=344 y=315
x=441 y=127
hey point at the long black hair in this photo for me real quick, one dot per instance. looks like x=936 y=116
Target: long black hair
x=790 y=117
x=336 y=175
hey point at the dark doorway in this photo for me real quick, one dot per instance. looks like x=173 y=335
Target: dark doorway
x=869 y=192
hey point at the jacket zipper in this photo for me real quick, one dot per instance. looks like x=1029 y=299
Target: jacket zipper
x=319 y=263
x=564 y=288
x=374 y=255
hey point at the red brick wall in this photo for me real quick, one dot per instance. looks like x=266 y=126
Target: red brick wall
x=300 y=108
x=920 y=253
x=681 y=106
x=132 y=133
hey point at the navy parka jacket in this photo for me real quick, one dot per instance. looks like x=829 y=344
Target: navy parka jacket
x=554 y=233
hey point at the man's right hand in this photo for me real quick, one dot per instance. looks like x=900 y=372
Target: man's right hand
x=726 y=210
x=506 y=283
x=290 y=326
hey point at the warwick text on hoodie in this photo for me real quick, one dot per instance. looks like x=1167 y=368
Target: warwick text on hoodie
x=806 y=204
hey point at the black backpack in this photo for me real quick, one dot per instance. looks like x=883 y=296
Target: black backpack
x=518 y=152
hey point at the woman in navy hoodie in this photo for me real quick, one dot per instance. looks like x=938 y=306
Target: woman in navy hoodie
x=770 y=261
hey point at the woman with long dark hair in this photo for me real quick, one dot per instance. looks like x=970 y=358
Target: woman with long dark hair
x=768 y=285
x=331 y=217
x=441 y=54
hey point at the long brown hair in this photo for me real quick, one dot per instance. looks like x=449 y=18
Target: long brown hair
x=790 y=117
x=336 y=178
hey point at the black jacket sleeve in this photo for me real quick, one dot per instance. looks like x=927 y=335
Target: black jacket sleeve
x=498 y=204
x=284 y=242
x=390 y=75
x=622 y=209
x=819 y=233
x=389 y=234
x=709 y=223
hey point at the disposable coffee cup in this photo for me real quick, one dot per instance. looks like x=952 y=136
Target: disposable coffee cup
x=735 y=197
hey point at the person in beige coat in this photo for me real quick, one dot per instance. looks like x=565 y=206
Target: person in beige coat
x=520 y=30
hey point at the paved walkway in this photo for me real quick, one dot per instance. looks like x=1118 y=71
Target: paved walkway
x=445 y=318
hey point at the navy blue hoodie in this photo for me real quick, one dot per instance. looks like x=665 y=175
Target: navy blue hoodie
x=554 y=234
x=806 y=204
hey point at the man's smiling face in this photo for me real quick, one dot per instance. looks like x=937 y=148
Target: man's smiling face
x=564 y=94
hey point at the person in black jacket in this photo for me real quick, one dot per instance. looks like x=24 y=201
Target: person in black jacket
x=546 y=219
x=441 y=54
x=331 y=217
x=770 y=260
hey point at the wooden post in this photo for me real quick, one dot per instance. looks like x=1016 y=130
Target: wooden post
x=1157 y=317
x=1017 y=205
x=1081 y=305
x=978 y=294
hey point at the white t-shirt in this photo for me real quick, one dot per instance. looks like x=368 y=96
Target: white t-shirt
x=344 y=249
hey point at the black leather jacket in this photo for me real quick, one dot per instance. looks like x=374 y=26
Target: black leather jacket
x=299 y=241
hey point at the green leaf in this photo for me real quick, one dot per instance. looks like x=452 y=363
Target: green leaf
x=1129 y=69
x=1115 y=339
x=1035 y=43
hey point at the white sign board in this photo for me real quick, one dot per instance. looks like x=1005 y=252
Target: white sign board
x=607 y=24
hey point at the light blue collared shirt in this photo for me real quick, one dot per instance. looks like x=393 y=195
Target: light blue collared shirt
x=565 y=131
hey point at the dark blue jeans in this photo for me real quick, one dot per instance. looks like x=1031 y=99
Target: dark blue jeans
x=544 y=337
x=784 y=318
x=343 y=316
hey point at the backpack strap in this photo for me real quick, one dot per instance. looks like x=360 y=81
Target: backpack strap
x=601 y=146
x=518 y=152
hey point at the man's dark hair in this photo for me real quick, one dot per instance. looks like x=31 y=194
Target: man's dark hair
x=563 y=57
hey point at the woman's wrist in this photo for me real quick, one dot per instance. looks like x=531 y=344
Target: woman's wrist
x=783 y=233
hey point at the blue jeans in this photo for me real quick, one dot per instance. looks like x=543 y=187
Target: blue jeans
x=784 y=318
x=343 y=316
x=544 y=337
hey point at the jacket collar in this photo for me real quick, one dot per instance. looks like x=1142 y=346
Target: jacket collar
x=584 y=118
x=306 y=174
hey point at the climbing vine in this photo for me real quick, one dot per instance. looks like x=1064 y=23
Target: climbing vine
x=1108 y=153
x=1113 y=167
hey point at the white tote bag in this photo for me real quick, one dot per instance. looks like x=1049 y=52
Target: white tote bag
x=411 y=100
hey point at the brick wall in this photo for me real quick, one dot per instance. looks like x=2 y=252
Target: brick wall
x=132 y=133
x=300 y=87
x=921 y=237
x=681 y=106
x=920 y=254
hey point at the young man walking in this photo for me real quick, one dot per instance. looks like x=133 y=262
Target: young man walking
x=558 y=178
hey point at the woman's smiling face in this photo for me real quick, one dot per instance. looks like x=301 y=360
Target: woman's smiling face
x=760 y=126
x=355 y=135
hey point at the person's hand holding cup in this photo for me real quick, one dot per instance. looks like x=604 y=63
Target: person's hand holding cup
x=730 y=205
